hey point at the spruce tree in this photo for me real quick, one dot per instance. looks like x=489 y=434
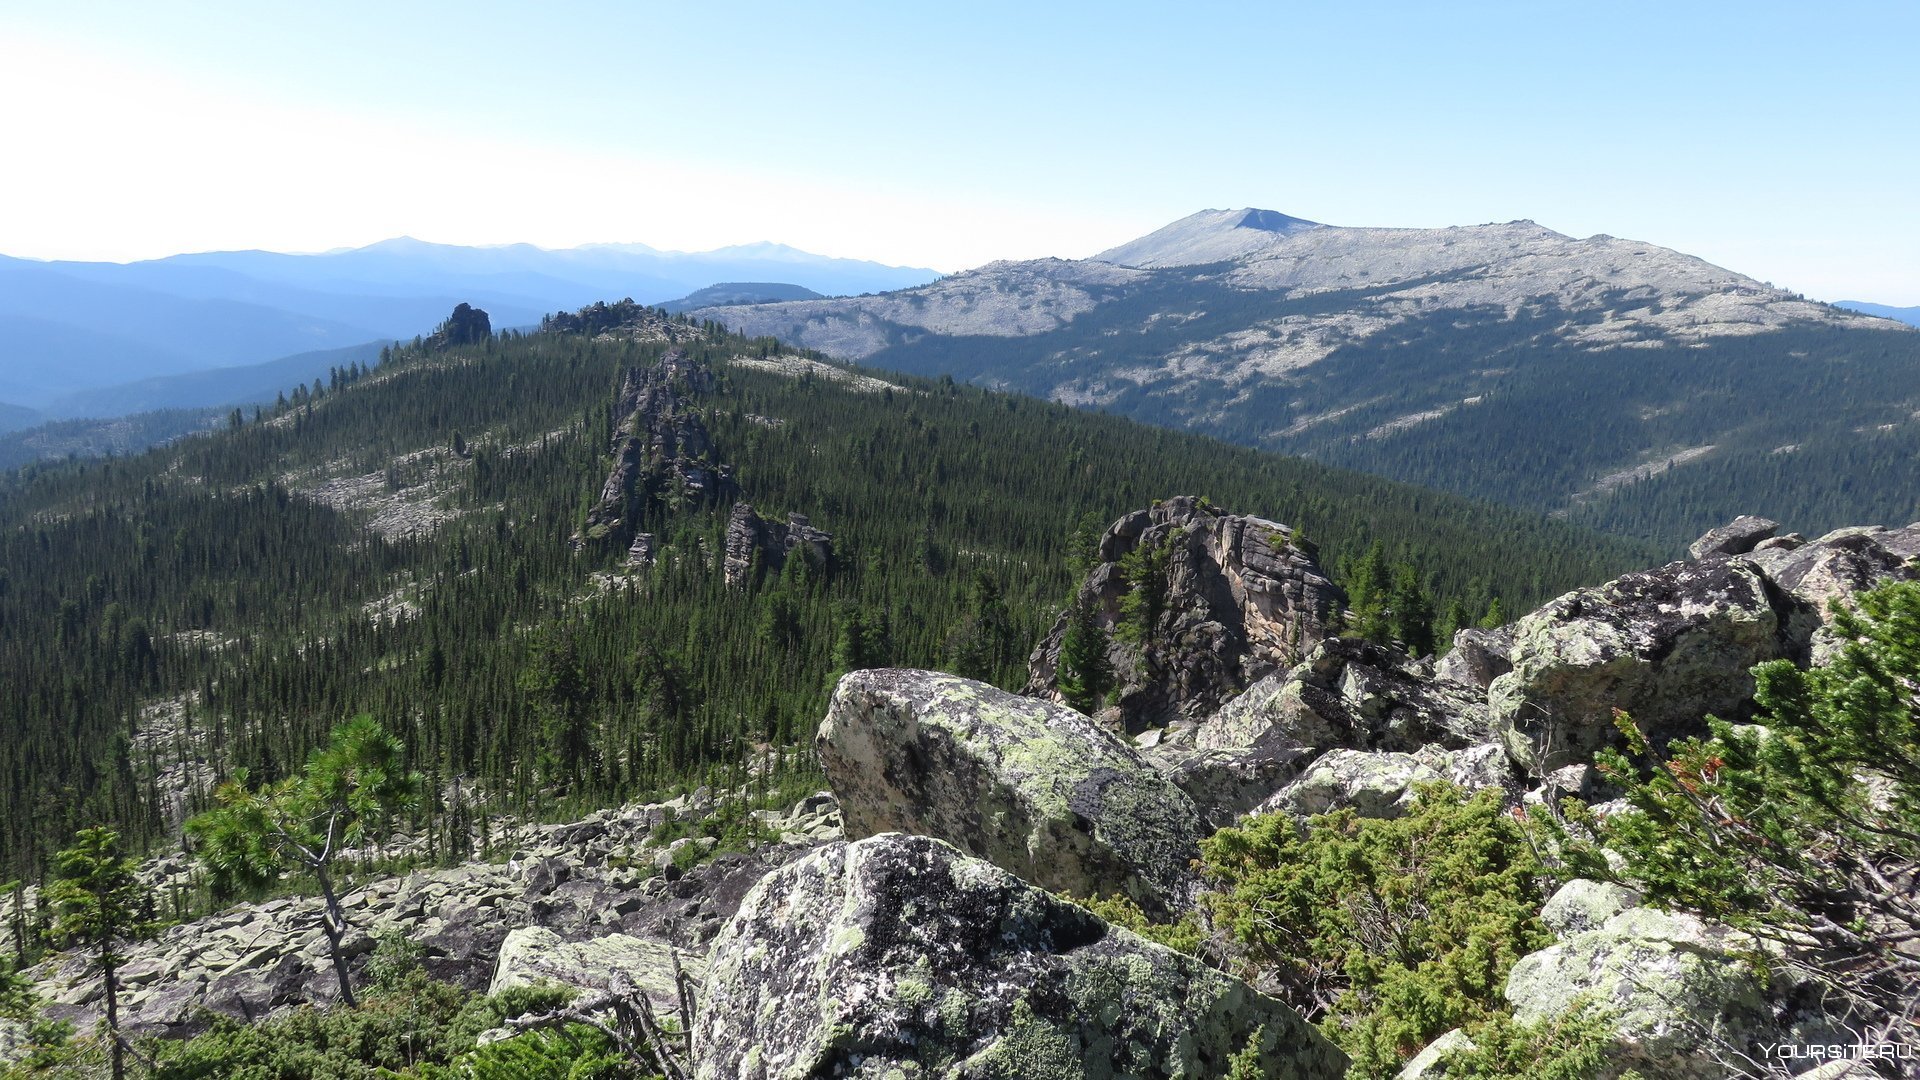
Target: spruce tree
x=100 y=906
x=1083 y=674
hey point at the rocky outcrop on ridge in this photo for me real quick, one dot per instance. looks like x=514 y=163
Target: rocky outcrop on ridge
x=661 y=446
x=1030 y=786
x=1238 y=599
x=899 y=956
x=1737 y=537
x=751 y=539
x=1673 y=645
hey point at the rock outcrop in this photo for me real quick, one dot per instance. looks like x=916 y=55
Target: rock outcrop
x=898 y=956
x=1737 y=537
x=1816 y=573
x=1384 y=784
x=661 y=448
x=1237 y=598
x=1345 y=694
x=1668 y=646
x=1033 y=787
x=467 y=325
x=751 y=539
x=533 y=955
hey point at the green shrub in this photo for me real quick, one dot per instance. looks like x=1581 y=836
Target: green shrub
x=1571 y=1046
x=1388 y=933
x=1185 y=936
x=419 y=1022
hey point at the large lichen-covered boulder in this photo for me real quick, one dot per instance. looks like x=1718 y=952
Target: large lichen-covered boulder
x=535 y=954
x=1668 y=646
x=1237 y=597
x=1033 y=787
x=1682 y=993
x=898 y=956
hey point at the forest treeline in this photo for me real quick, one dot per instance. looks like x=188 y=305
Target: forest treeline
x=397 y=541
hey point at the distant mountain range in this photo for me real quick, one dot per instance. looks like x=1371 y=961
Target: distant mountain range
x=68 y=327
x=1908 y=315
x=1608 y=380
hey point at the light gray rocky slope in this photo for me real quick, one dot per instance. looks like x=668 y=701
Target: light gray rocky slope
x=1647 y=292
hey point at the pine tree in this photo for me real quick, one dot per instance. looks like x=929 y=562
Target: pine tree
x=1777 y=829
x=1411 y=611
x=347 y=796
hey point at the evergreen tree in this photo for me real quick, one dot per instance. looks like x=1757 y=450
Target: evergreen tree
x=346 y=796
x=1495 y=618
x=101 y=906
x=1411 y=611
x=1145 y=570
x=1084 y=676
x=863 y=641
x=1369 y=596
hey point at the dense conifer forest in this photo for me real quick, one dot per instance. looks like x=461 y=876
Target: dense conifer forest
x=406 y=540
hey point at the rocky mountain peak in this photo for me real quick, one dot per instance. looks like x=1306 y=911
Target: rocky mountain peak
x=1207 y=237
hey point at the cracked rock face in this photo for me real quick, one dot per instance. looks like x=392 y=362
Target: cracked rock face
x=1831 y=569
x=1669 y=646
x=751 y=539
x=1033 y=787
x=661 y=448
x=898 y=956
x=1240 y=600
x=1347 y=694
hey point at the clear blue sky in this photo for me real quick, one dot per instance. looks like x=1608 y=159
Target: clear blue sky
x=1778 y=139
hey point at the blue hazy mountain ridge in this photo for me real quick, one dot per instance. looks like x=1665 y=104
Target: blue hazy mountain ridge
x=15 y=417
x=247 y=384
x=68 y=327
x=1908 y=315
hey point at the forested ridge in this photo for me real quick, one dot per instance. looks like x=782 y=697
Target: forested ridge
x=398 y=540
x=1807 y=423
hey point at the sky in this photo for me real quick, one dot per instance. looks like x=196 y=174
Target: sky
x=1777 y=139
